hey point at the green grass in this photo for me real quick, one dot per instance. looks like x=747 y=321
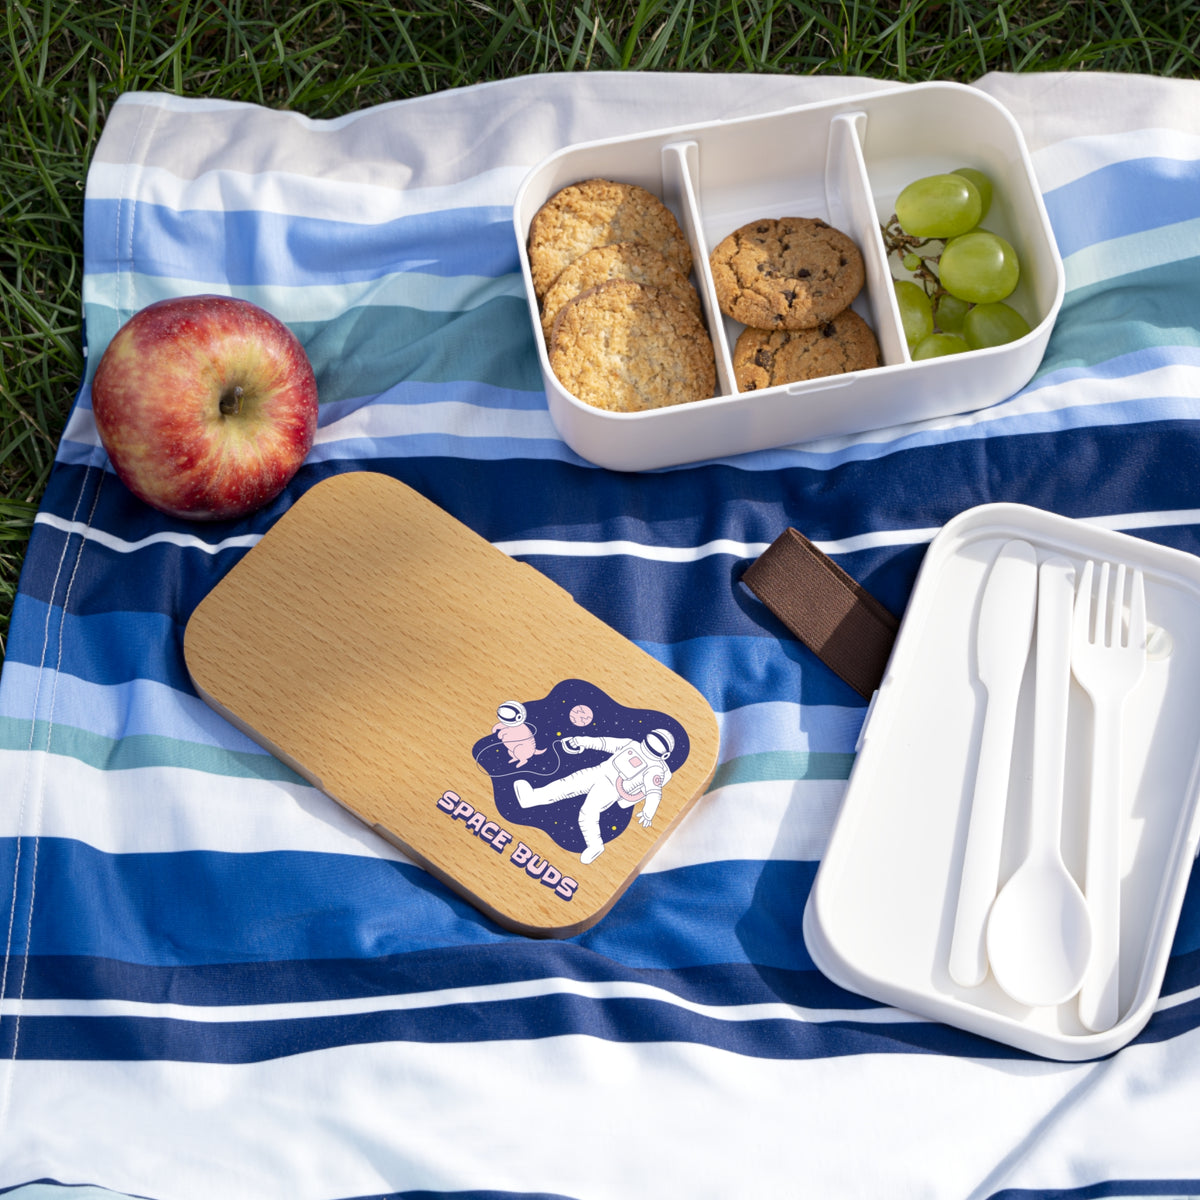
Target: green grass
x=63 y=63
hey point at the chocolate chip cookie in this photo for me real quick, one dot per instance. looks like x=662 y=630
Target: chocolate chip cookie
x=595 y=213
x=621 y=260
x=625 y=347
x=764 y=358
x=786 y=273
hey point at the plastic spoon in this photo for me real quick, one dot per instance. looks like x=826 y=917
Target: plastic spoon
x=1039 y=935
x=1002 y=638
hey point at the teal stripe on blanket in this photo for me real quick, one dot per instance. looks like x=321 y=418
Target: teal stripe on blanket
x=772 y=765
x=318 y=301
x=368 y=350
x=139 y=750
x=153 y=750
x=145 y=709
x=1139 y=310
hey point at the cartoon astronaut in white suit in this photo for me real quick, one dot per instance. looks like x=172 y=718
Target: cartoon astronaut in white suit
x=634 y=772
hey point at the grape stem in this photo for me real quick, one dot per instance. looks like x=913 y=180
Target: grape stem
x=904 y=245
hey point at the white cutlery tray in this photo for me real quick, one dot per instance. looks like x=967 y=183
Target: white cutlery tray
x=881 y=913
x=844 y=162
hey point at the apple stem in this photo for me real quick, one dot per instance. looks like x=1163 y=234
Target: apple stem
x=231 y=401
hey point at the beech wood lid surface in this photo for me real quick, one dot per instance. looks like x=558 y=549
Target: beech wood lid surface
x=456 y=700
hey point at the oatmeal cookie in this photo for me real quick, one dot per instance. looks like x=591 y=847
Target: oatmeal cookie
x=625 y=346
x=786 y=273
x=764 y=358
x=595 y=213
x=620 y=260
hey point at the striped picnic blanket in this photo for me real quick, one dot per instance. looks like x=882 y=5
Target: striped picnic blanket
x=216 y=983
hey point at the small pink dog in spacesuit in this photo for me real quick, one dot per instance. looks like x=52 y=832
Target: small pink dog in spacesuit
x=518 y=741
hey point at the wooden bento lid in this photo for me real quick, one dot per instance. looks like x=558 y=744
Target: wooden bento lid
x=454 y=699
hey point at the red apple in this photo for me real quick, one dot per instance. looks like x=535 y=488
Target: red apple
x=206 y=405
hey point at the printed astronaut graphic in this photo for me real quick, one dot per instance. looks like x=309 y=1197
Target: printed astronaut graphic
x=580 y=766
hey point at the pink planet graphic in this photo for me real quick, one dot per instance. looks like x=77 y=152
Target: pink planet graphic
x=581 y=715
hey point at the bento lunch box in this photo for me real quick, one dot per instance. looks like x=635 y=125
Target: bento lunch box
x=843 y=162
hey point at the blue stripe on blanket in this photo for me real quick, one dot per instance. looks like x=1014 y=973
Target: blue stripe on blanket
x=418 y=392
x=104 y=648
x=1123 y=198
x=289 y=906
x=245 y=247
x=269 y=906
x=120 y=647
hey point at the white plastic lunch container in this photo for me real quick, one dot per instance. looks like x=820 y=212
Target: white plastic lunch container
x=843 y=162
x=880 y=916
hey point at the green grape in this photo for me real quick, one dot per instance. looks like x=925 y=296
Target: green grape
x=916 y=312
x=949 y=313
x=983 y=185
x=979 y=267
x=912 y=262
x=939 y=206
x=993 y=325
x=936 y=345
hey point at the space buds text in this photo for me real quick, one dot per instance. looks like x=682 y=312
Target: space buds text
x=498 y=838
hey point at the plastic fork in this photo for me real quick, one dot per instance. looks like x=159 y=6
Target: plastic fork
x=1108 y=660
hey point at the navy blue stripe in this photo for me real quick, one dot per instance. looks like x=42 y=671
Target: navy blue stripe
x=1183 y=967
x=513 y=960
x=165 y=578
x=71 y=495
x=420 y=1194
x=1151 y=471
x=1077 y=472
x=1123 y=198
x=472 y=1194
x=1170 y=1022
x=1176 y=1189
x=57 y=1183
x=733 y=672
x=198 y=897
x=625 y=1020
x=249 y=247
